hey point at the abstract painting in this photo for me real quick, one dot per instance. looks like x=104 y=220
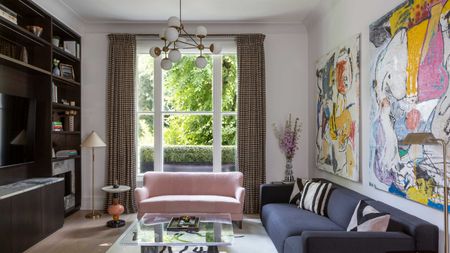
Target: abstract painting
x=409 y=91
x=338 y=82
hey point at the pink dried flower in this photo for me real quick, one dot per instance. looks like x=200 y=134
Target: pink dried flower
x=288 y=137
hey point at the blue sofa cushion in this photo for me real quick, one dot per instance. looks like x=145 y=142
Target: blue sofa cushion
x=342 y=204
x=284 y=220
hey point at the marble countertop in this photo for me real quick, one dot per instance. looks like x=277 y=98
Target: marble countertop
x=19 y=187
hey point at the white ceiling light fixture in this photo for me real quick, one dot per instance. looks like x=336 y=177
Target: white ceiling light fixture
x=175 y=38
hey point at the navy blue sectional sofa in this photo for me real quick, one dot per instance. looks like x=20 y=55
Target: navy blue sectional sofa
x=294 y=230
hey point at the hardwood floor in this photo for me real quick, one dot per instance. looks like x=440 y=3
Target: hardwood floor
x=82 y=235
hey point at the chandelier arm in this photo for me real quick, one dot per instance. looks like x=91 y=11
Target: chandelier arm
x=187 y=43
x=190 y=37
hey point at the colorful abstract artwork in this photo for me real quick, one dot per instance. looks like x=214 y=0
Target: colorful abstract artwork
x=338 y=83
x=409 y=90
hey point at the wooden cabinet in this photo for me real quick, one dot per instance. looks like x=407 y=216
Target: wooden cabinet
x=53 y=197
x=28 y=217
x=26 y=214
x=5 y=225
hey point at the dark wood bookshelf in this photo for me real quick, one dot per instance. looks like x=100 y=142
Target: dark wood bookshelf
x=34 y=78
x=66 y=81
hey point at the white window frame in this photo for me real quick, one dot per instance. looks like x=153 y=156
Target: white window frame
x=159 y=113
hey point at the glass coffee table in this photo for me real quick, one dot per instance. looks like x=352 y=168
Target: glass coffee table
x=151 y=234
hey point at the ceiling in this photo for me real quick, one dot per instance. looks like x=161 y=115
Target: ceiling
x=192 y=10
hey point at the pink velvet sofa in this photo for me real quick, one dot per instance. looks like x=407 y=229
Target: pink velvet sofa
x=180 y=192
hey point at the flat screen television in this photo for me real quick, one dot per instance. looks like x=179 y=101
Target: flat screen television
x=17 y=130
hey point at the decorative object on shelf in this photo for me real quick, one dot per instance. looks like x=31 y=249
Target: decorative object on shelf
x=65 y=102
x=24 y=55
x=429 y=139
x=67 y=71
x=56 y=71
x=409 y=93
x=78 y=51
x=176 y=38
x=116 y=184
x=93 y=141
x=8 y=14
x=116 y=209
x=57 y=126
x=70 y=47
x=338 y=110
x=66 y=153
x=70 y=115
x=56 y=40
x=72 y=103
x=288 y=141
x=53 y=152
x=36 y=30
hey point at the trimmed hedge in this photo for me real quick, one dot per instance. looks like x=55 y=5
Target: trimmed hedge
x=189 y=154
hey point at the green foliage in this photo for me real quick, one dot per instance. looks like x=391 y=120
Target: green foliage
x=189 y=154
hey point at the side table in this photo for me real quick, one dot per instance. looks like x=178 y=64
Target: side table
x=115 y=209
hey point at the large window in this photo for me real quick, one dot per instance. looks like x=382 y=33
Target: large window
x=187 y=116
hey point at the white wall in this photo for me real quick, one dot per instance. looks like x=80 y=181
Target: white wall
x=286 y=79
x=62 y=12
x=334 y=23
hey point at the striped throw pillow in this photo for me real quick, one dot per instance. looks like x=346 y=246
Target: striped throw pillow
x=315 y=197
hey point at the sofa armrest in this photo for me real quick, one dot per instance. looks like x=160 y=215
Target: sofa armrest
x=240 y=195
x=275 y=193
x=355 y=242
x=140 y=194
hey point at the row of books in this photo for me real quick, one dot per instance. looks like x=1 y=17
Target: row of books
x=57 y=126
x=8 y=14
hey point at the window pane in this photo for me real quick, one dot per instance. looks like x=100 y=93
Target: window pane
x=188 y=88
x=146 y=143
x=188 y=143
x=229 y=143
x=229 y=83
x=146 y=82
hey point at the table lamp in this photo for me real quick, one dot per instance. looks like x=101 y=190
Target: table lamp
x=93 y=141
x=429 y=139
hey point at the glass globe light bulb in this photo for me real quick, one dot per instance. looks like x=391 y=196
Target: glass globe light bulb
x=162 y=34
x=174 y=22
x=171 y=34
x=201 y=62
x=155 y=52
x=201 y=31
x=215 y=48
x=174 y=55
x=166 y=64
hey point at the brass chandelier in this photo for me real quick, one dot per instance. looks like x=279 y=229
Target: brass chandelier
x=175 y=38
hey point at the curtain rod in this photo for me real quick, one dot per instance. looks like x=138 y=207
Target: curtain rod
x=209 y=35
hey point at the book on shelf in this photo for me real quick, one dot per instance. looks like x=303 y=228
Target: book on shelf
x=54 y=93
x=57 y=126
x=8 y=14
x=78 y=51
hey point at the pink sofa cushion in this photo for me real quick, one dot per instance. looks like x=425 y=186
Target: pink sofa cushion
x=181 y=183
x=190 y=204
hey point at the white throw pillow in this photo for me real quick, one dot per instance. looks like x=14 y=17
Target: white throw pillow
x=315 y=197
x=367 y=219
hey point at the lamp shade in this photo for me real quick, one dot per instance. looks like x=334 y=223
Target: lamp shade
x=93 y=141
x=418 y=139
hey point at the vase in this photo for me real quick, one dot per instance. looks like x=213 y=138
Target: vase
x=288 y=174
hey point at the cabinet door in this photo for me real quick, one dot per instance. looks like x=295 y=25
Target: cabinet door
x=26 y=219
x=52 y=207
x=5 y=225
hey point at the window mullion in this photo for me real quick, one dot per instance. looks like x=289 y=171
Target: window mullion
x=217 y=117
x=159 y=154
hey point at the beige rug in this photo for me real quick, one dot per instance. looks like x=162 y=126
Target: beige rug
x=80 y=235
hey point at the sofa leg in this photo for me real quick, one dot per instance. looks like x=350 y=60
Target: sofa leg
x=238 y=224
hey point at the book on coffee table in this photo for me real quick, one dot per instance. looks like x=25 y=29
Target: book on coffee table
x=184 y=223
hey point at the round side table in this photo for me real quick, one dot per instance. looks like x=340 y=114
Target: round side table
x=115 y=209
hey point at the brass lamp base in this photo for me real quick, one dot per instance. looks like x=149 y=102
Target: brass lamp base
x=93 y=215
